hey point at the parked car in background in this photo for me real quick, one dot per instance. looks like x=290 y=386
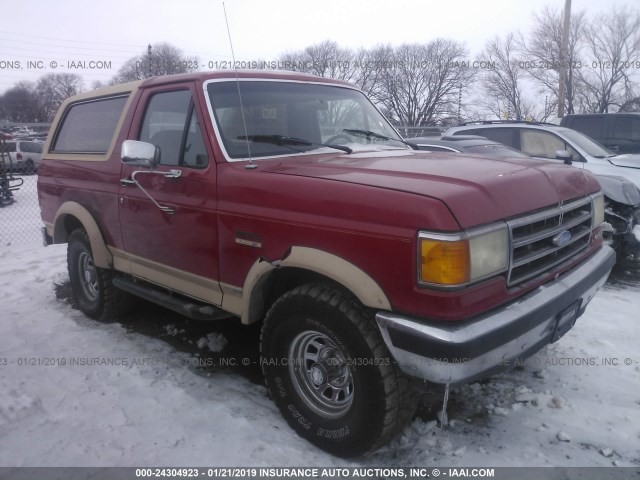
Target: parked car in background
x=554 y=143
x=23 y=132
x=473 y=144
x=23 y=156
x=622 y=216
x=619 y=132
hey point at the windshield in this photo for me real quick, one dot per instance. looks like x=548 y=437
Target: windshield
x=591 y=147
x=317 y=115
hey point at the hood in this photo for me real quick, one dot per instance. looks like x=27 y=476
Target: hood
x=619 y=189
x=627 y=160
x=476 y=189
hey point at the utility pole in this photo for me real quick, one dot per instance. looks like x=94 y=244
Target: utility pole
x=459 y=102
x=564 y=46
x=148 y=60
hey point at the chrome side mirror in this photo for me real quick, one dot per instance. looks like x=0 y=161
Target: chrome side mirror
x=139 y=154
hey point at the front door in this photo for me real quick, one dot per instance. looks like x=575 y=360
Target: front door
x=169 y=233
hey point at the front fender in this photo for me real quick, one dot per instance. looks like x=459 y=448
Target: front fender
x=101 y=255
x=365 y=288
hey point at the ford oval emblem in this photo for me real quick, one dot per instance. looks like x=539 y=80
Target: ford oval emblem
x=562 y=238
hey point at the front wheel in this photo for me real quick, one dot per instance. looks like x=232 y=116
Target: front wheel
x=331 y=375
x=92 y=286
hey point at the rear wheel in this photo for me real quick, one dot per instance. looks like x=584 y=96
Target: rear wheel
x=92 y=286
x=331 y=375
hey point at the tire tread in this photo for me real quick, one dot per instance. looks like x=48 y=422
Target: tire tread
x=114 y=302
x=400 y=400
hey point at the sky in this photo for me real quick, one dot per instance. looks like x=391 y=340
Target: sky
x=94 y=39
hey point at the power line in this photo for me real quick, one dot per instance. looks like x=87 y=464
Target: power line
x=21 y=42
x=21 y=34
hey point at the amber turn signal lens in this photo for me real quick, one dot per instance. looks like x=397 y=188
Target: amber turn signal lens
x=444 y=262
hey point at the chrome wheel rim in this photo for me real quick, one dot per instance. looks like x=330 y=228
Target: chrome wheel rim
x=88 y=276
x=320 y=374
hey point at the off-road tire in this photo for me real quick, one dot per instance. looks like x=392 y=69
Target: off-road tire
x=382 y=400
x=93 y=289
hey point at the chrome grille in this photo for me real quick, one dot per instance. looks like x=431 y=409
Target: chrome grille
x=536 y=245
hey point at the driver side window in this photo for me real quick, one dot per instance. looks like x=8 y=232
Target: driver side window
x=544 y=144
x=171 y=124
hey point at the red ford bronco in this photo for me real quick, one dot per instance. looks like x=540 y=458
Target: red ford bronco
x=290 y=200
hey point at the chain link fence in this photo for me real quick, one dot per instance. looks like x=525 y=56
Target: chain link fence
x=20 y=154
x=20 y=223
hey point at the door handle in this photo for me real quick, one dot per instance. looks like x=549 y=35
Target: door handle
x=125 y=182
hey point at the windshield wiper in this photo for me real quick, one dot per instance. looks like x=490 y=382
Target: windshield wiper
x=287 y=141
x=368 y=134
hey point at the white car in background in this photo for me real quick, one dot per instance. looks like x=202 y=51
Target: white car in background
x=550 y=142
x=21 y=155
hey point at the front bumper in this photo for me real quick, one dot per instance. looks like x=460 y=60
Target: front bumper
x=466 y=351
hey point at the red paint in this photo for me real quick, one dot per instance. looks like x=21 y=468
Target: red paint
x=366 y=207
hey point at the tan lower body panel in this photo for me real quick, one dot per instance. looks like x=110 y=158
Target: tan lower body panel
x=194 y=286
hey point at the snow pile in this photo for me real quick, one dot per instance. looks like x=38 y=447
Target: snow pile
x=15 y=405
x=172 y=330
x=214 y=342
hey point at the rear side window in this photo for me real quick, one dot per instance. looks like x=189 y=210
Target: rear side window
x=500 y=135
x=31 y=147
x=9 y=147
x=590 y=126
x=89 y=127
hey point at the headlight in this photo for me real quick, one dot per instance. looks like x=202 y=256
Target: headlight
x=598 y=209
x=462 y=258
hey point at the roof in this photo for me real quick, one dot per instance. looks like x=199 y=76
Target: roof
x=239 y=74
x=488 y=125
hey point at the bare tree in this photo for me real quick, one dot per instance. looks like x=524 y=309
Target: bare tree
x=420 y=83
x=502 y=80
x=370 y=69
x=20 y=104
x=160 y=59
x=631 y=105
x=542 y=60
x=330 y=61
x=325 y=59
x=612 y=44
x=52 y=89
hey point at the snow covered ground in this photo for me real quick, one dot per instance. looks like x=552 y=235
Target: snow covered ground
x=149 y=390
